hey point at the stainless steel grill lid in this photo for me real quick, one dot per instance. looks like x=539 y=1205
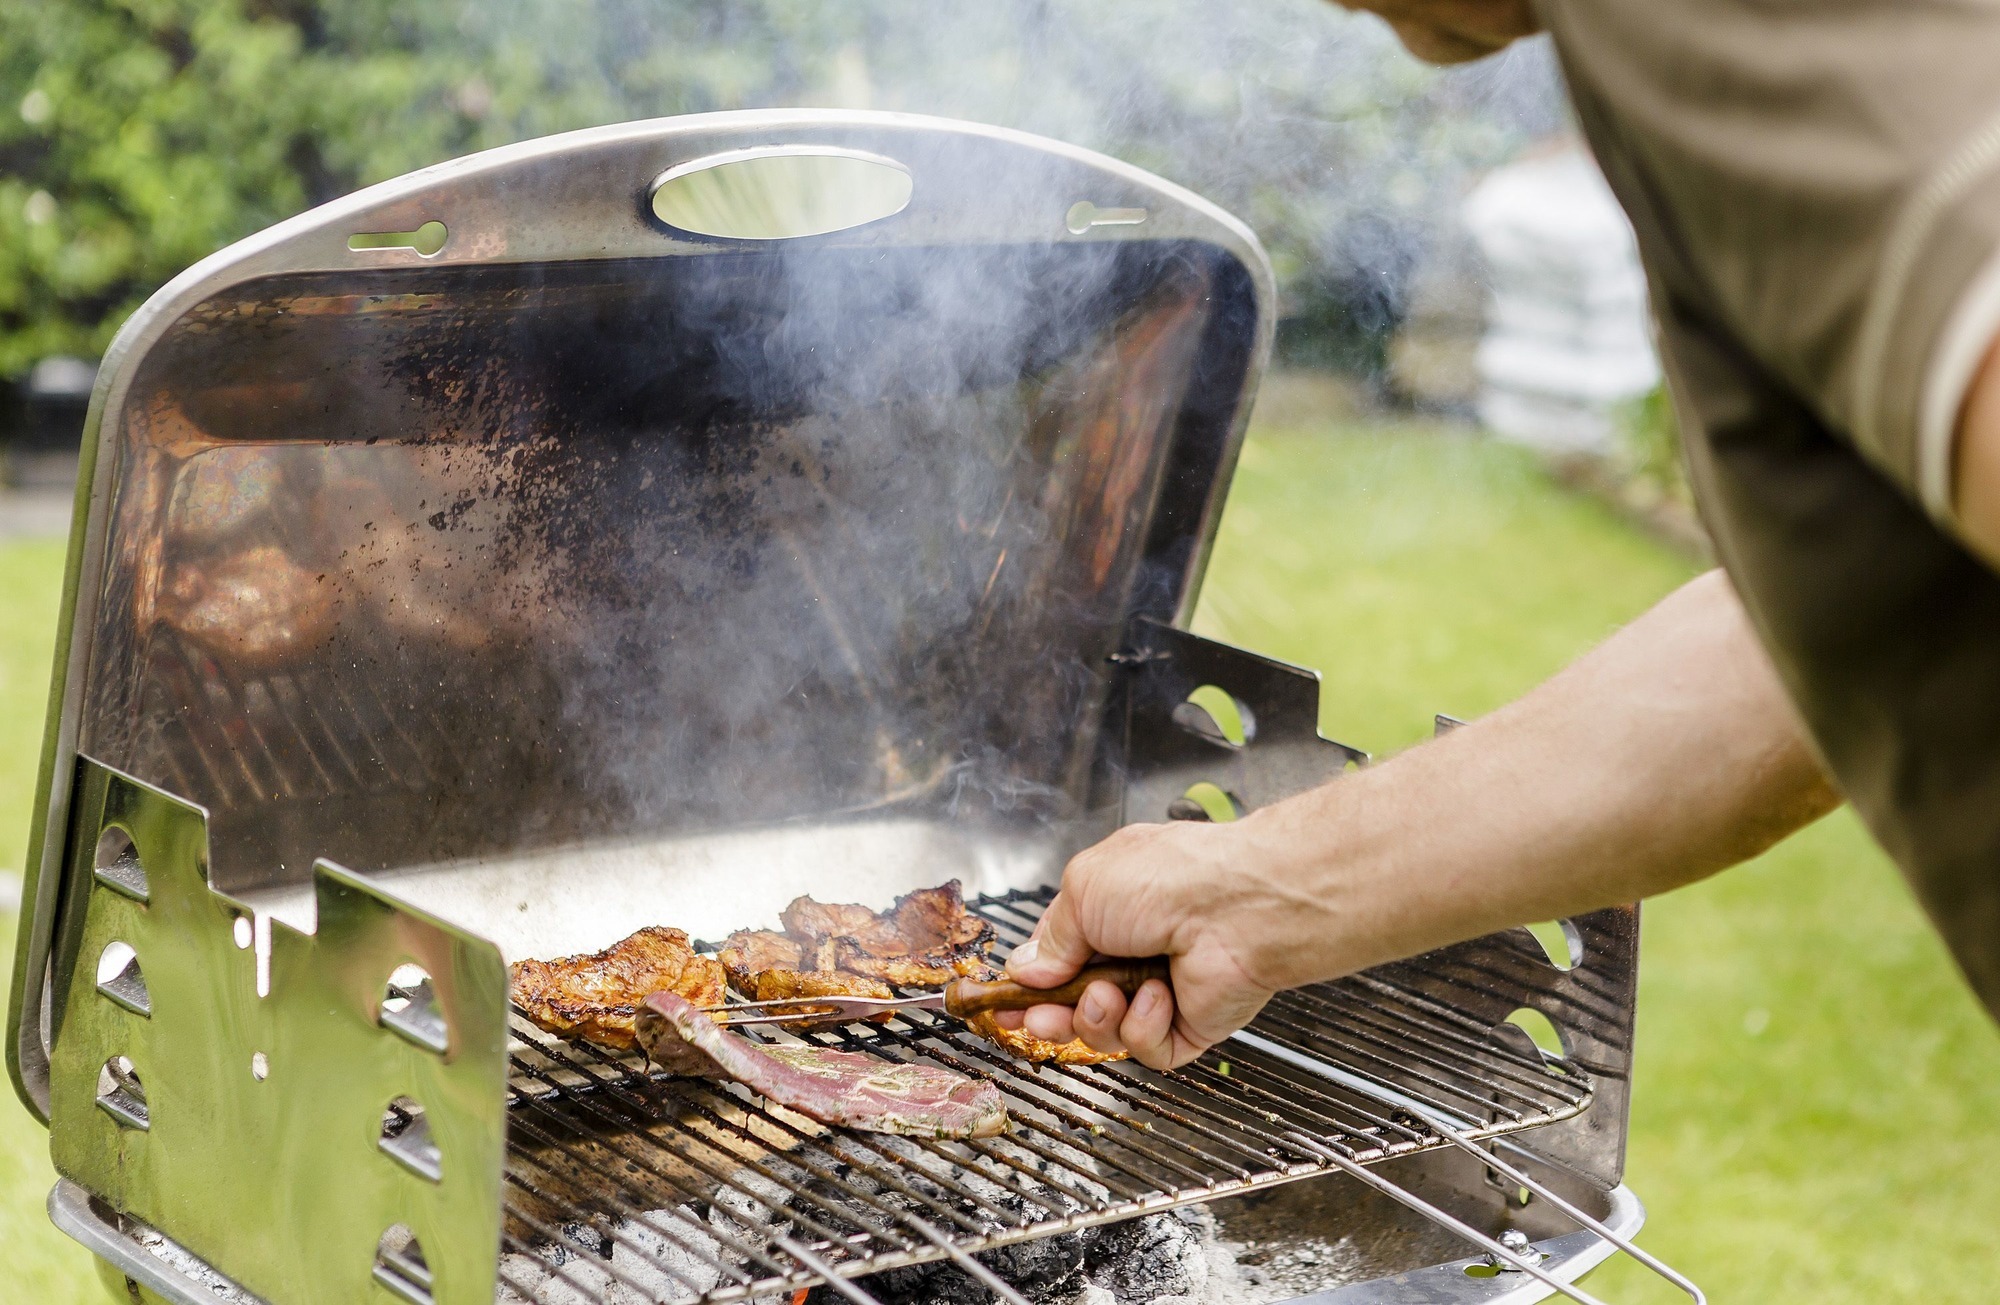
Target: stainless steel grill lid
x=547 y=544
x=587 y=527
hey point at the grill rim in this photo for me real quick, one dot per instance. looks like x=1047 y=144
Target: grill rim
x=595 y=1074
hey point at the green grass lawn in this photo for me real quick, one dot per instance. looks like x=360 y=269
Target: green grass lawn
x=1815 y=1088
x=1816 y=1096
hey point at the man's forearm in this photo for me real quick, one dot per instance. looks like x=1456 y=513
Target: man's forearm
x=1666 y=754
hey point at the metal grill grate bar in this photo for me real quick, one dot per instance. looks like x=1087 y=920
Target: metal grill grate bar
x=678 y=1190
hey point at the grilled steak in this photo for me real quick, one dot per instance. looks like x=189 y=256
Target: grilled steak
x=749 y=952
x=776 y=985
x=925 y=939
x=907 y=971
x=594 y=997
x=834 y=1087
x=807 y=920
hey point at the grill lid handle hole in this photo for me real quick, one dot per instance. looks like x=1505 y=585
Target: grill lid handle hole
x=120 y=980
x=781 y=192
x=406 y=1139
x=118 y=867
x=409 y=1008
x=400 y=1265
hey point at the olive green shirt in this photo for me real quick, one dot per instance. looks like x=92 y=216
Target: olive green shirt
x=1816 y=191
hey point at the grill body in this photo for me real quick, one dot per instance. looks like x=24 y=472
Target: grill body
x=430 y=610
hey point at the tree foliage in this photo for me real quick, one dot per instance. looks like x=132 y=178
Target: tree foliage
x=137 y=136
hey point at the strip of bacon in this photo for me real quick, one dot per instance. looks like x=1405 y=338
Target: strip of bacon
x=835 y=1087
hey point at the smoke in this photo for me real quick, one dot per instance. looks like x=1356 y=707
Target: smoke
x=1347 y=156
x=709 y=541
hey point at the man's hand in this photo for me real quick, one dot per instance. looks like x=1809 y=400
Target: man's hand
x=1189 y=891
x=1453 y=31
x=1665 y=755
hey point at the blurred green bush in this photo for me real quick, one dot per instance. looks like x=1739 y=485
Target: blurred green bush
x=1650 y=447
x=137 y=136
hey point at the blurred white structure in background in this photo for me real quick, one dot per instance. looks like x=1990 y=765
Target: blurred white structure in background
x=1567 y=335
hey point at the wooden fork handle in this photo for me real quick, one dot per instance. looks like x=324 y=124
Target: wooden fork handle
x=968 y=997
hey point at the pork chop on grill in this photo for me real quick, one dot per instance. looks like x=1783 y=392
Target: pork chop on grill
x=594 y=997
x=1029 y=1047
x=835 y=1087
x=749 y=952
x=844 y=949
x=767 y=966
x=778 y=985
x=927 y=938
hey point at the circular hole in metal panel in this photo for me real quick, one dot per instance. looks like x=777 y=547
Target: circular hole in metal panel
x=1561 y=942
x=406 y=1139
x=121 y=1095
x=1206 y=801
x=120 y=979
x=1214 y=714
x=400 y=1265
x=118 y=866
x=781 y=193
x=113 y=960
x=1529 y=1031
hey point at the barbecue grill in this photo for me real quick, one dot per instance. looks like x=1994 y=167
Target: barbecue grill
x=648 y=525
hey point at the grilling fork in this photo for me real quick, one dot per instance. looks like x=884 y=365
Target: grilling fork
x=962 y=997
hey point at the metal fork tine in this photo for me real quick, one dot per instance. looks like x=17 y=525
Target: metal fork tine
x=731 y=1021
x=818 y=1010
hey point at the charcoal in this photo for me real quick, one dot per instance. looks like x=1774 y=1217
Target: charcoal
x=743 y=1212
x=587 y=1238
x=1147 y=1258
x=941 y=1283
x=662 y=1258
x=580 y=1281
x=1111 y=1242
x=521 y=1279
x=1044 y=1268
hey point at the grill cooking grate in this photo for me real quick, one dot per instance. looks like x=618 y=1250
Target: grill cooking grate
x=624 y=1186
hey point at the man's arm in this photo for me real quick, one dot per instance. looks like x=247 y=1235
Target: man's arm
x=1453 y=31
x=1663 y=756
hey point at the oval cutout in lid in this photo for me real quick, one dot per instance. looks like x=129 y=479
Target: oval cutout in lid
x=781 y=192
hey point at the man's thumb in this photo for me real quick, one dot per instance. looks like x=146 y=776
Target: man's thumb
x=1056 y=950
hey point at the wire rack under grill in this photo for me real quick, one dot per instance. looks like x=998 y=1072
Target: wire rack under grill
x=624 y=1185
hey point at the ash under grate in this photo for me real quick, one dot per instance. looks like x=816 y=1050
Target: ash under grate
x=625 y=1187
